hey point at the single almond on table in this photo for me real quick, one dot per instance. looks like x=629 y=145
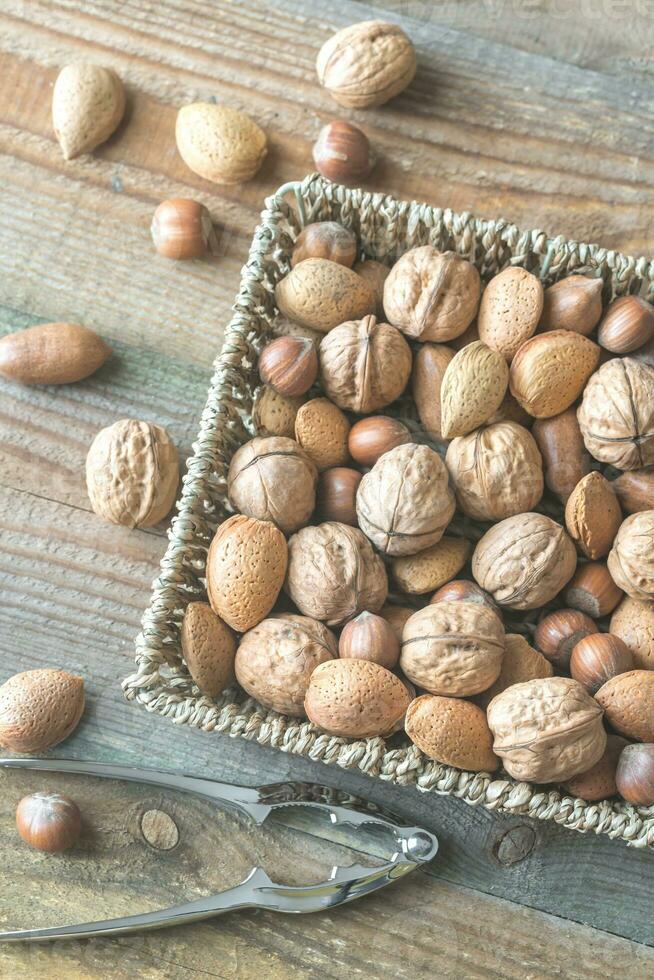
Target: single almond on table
x=549 y=372
x=219 y=143
x=593 y=515
x=208 y=647
x=473 y=387
x=88 y=102
x=52 y=354
x=510 y=309
x=39 y=709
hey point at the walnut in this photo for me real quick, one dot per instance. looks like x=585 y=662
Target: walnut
x=334 y=574
x=524 y=561
x=616 y=415
x=364 y=365
x=405 y=503
x=453 y=648
x=275 y=660
x=631 y=560
x=547 y=730
x=273 y=479
x=497 y=471
x=432 y=295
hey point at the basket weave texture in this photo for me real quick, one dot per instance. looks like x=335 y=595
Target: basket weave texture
x=386 y=228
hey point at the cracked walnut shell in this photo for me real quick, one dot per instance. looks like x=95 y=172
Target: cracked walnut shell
x=616 y=415
x=405 y=503
x=273 y=479
x=631 y=559
x=547 y=730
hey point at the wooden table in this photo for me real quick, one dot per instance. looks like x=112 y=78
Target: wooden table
x=555 y=132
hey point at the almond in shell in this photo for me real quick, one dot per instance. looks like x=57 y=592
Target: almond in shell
x=510 y=310
x=39 y=709
x=88 y=102
x=472 y=390
x=208 y=647
x=355 y=698
x=592 y=515
x=451 y=731
x=628 y=702
x=549 y=372
x=520 y=663
x=219 y=143
x=320 y=294
x=432 y=567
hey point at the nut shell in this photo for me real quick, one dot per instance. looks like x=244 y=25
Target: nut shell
x=39 y=709
x=633 y=622
x=219 y=143
x=276 y=658
x=598 y=782
x=322 y=431
x=561 y=445
x=333 y=573
x=628 y=325
x=574 y=303
x=325 y=240
x=432 y=295
x=431 y=568
x=429 y=366
x=473 y=387
x=631 y=560
x=593 y=515
x=510 y=310
x=321 y=294
x=273 y=479
x=396 y=617
x=497 y=471
x=88 y=103
x=342 y=153
x=547 y=730
x=274 y=414
x=132 y=473
x=635 y=774
x=453 y=648
x=181 y=229
x=592 y=590
x=549 y=372
x=366 y=64
x=463 y=590
x=289 y=365
x=628 y=701
x=451 y=731
x=246 y=565
x=371 y=437
x=520 y=663
x=336 y=496
x=635 y=490
x=404 y=503
x=355 y=699
x=52 y=354
x=364 y=365
x=370 y=637
x=558 y=633
x=524 y=561
x=375 y=273
x=208 y=647
x=599 y=657
x=616 y=415
x=48 y=821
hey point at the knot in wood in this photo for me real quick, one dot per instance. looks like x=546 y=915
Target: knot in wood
x=514 y=845
x=159 y=830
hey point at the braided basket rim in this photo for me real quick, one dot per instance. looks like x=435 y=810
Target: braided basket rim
x=386 y=227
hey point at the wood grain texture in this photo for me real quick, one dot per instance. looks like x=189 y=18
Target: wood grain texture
x=551 y=132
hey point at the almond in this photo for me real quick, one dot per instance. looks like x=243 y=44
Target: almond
x=52 y=354
x=510 y=310
x=473 y=387
x=628 y=702
x=520 y=663
x=322 y=430
x=355 y=699
x=219 y=143
x=633 y=622
x=39 y=709
x=208 y=647
x=431 y=568
x=246 y=566
x=549 y=372
x=274 y=414
x=88 y=102
x=451 y=731
x=321 y=294
x=592 y=515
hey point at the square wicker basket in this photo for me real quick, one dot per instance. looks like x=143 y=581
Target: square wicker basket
x=386 y=228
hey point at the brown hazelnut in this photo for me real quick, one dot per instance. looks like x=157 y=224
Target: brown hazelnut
x=461 y=590
x=429 y=366
x=336 y=497
x=273 y=479
x=598 y=782
x=322 y=431
x=592 y=590
x=631 y=560
x=593 y=515
x=574 y=304
x=48 y=821
x=375 y=273
x=616 y=415
x=342 y=153
x=634 y=775
x=565 y=459
x=558 y=633
x=370 y=438
x=628 y=325
x=325 y=240
x=635 y=490
x=289 y=365
x=370 y=637
x=182 y=229
x=599 y=657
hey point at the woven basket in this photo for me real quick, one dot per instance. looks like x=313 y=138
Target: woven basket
x=386 y=228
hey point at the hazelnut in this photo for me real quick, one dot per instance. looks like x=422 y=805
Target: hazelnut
x=342 y=154
x=371 y=437
x=364 y=365
x=182 y=229
x=635 y=490
x=325 y=240
x=274 y=414
x=510 y=310
x=627 y=325
x=453 y=648
x=558 y=633
x=547 y=730
x=593 y=515
x=370 y=637
x=289 y=365
x=628 y=702
x=616 y=415
x=631 y=560
x=336 y=496
x=431 y=567
x=405 y=503
x=598 y=782
x=574 y=304
x=634 y=775
x=565 y=459
x=322 y=430
x=597 y=658
x=461 y=590
x=550 y=371
x=396 y=617
x=48 y=821
x=520 y=663
x=273 y=479
x=334 y=574
x=375 y=273
x=451 y=731
x=592 y=590
x=524 y=561
x=633 y=622
x=432 y=295
x=497 y=471
x=429 y=365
